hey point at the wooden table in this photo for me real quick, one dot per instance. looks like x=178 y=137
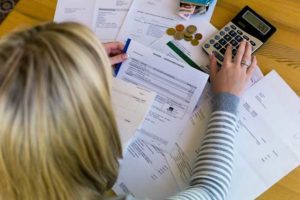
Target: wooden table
x=281 y=52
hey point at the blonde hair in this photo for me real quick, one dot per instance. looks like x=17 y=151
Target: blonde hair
x=58 y=137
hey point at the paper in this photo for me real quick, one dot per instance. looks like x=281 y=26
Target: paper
x=150 y=168
x=130 y=104
x=178 y=88
x=147 y=20
x=75 y=11
x=267 y=147
x=109 y=17
x=103 y=17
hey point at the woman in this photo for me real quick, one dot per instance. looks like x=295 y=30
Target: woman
x=58 y=137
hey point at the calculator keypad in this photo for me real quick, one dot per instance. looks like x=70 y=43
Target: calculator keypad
x=227 y=37
x=239 y=38
x=222 y=42
x=230 y=34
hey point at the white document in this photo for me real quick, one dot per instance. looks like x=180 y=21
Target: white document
x=130 y=104
x=143 y=165
x=104 y=17
x=178 y=87
x=267 y=144
x=75 y=11
x=148 y=20
x=108 y=18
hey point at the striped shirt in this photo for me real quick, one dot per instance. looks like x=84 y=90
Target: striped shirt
x=212 y=171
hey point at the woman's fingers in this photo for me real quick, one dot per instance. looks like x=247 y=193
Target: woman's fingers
x=252 y=67
x=240 y=53
x=115 y=52
x=228 y=55
x=213 y=67
x=247 y=55
x=118 y=59
x=113 y=47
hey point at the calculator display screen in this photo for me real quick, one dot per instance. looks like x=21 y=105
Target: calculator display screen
x=256 y=22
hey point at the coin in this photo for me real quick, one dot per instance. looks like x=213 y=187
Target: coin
x=198 y=36
x=186 y=34
x=180 y=27
x=179 y=36
x=191 y=29
x=171 y=31
x=188 y=39
x=195 y=42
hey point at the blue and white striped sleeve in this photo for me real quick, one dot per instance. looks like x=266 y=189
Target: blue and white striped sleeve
x=213 y=166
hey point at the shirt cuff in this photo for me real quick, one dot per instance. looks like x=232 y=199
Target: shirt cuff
x=226 y=102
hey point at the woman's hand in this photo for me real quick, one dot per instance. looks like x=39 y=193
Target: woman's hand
x=235 y=74
x=115 y=52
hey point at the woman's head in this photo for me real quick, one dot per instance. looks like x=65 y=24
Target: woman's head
x=58 y=138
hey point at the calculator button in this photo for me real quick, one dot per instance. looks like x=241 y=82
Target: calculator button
x=211 y=41
x=223 y=50
x=207 y=46
x=252 y=43
x=239 y=32
x=218 y=56
x=217 y=46
x=217 y=37
x=232 y=33
x=239 y=38
x=222 y=33
x=227 y=29
x=234 y=43
x=227 y=37
x=234 y=51
x=233 y=27
x=222 y=42
x=246 y=37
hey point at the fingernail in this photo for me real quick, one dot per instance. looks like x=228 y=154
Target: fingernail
x=125 y=56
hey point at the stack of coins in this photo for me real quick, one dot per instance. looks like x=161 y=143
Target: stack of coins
x=189 y=34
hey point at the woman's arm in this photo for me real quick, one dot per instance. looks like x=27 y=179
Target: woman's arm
x=212 y=171
x=213 y=166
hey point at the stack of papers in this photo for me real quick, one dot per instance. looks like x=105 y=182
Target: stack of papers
x=166 y=102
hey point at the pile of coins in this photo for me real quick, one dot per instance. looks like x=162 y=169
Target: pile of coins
x=188 y=34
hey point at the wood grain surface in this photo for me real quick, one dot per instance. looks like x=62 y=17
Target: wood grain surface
x=281 y=52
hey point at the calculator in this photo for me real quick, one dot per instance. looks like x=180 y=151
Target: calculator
x=247 y=25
